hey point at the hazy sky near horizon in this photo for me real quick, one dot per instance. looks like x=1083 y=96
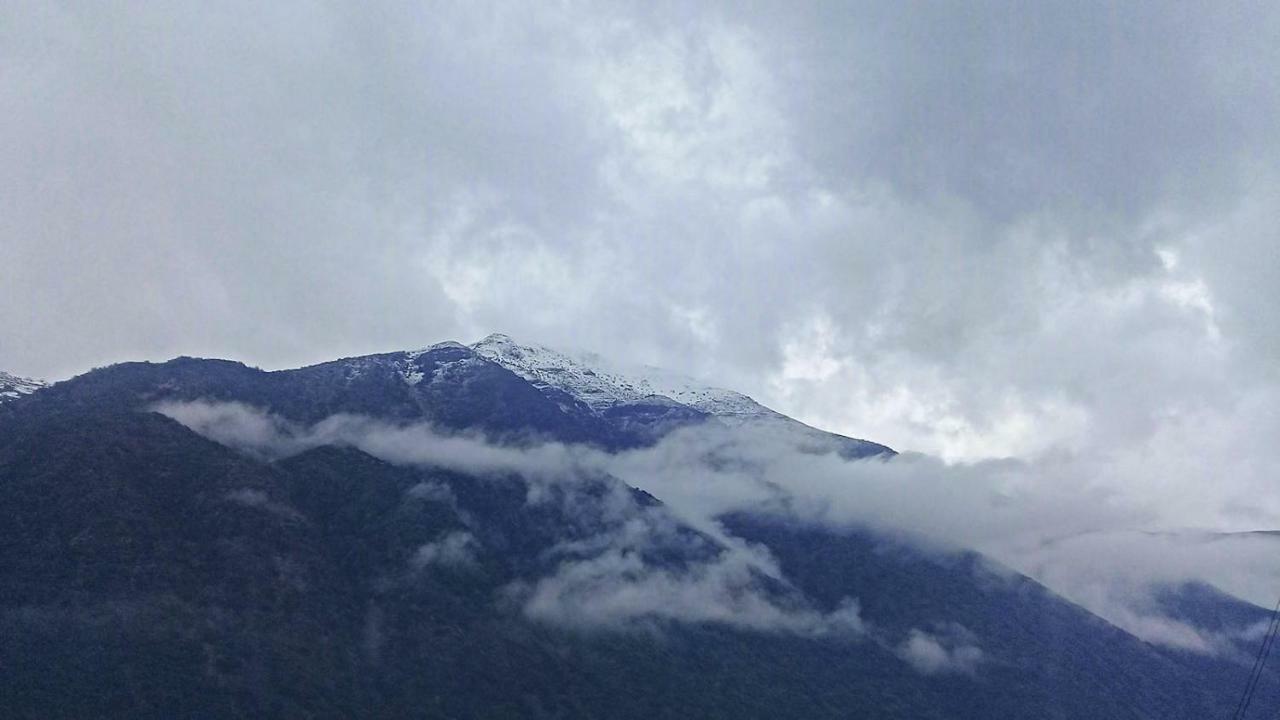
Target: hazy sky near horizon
x=975 y=230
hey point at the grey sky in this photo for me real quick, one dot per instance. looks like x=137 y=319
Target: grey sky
x=977 y=229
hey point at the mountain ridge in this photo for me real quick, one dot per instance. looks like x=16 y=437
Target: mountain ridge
x=150 y=565
x=607 y=386
x=643 y=402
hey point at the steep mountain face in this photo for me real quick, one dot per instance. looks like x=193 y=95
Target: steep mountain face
x=13 y=387
x=150 y=571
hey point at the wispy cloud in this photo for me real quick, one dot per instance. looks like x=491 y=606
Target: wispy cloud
x=606 y=578
x=1006 y=509
x=950 y=650
x=618 y=589
x=456 y=549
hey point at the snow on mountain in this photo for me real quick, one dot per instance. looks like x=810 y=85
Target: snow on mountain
x=603 y=384
x=13 y=387
x=606 y=386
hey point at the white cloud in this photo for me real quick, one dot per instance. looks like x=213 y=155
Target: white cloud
x=456 y=549
x=817 y=206
x=1056 y=519
x=433 y=492
x=619 y=590
x=603 y=579
x=949 y=652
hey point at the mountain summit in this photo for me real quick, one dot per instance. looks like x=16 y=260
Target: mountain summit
x=602 y=384
x=640 y=394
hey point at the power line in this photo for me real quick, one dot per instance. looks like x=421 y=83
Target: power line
x=1259 y=663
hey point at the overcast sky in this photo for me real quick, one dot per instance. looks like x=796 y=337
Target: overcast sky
x=971 y=229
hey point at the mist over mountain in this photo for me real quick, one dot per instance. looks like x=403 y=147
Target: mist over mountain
x=561 y=360
x=508 y=530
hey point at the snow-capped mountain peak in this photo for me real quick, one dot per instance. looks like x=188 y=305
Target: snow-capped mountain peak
x=607 y=387
x=602 y=383
x=12 y=386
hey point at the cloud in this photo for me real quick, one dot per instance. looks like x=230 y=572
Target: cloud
x=1234 y=644
x=270 y=436
x=647 y=568
x=619 y=590
x=1057 y=518
x=1036 y=242
x=954 y=210
x=456 y=549
x=609 y=572
x=1052 y=518
x=949 y=652
x=1118 y=574
x=240 y=426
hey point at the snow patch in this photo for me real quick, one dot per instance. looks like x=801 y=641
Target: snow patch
x=408 y=367
x=446 y=345
x=13 y=387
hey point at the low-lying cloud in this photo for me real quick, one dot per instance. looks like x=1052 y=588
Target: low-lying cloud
x=603 y=580
x=270 y=436
x=456 y=549
x=1046 y=518
x=1056 y=518
x=952 y=650
x=619 y=589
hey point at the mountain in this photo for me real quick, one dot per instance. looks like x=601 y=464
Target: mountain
x=640 y=397
x=447 y=385
x=601 y=384
x=13 y=387
x=199 y=538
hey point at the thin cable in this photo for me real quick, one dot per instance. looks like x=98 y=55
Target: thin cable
x=1255 y=671
x=1255 y=674
x=1261 y=666
x=1259 y=662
